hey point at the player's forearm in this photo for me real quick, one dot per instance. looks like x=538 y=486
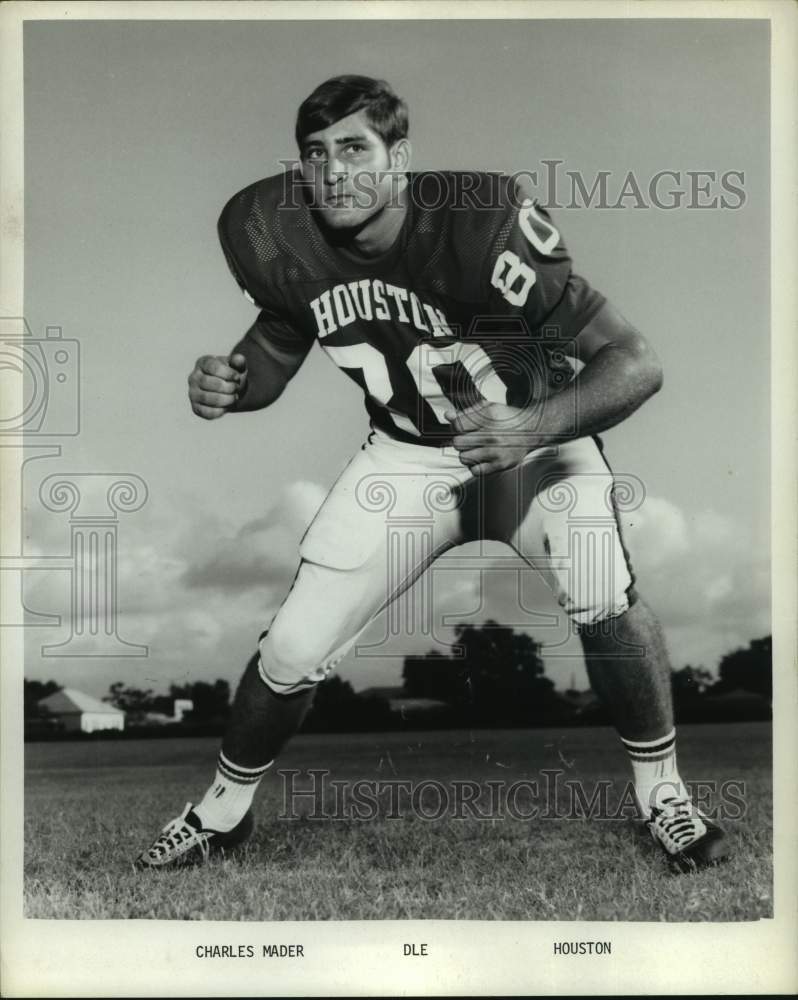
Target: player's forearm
x=266 y=378
x=616 y=381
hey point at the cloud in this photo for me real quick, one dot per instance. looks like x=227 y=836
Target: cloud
x=198 y=591
x=709 y=585
x=264 y=552
x=695 y=564
x=659 y=529
x=192 y=588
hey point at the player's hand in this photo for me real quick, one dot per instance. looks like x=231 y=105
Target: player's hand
x=216 y=383
x=492 y=437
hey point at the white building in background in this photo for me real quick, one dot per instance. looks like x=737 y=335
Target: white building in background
x=181 y=707
x=79 y=712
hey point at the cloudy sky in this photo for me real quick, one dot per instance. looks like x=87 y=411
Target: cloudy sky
x=138 y=132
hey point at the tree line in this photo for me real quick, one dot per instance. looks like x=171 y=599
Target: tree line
x=492 y=676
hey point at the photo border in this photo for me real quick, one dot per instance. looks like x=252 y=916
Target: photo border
x=155 y=958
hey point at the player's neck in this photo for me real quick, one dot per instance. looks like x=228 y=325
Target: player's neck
x=381 y=231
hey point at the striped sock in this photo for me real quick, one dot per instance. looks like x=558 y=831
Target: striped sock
x=656 y=775
x=230 y=795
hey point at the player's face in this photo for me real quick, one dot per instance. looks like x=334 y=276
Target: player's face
x=351 y=173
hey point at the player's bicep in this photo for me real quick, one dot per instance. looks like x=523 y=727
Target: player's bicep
x=607 y=327
x=613 y=337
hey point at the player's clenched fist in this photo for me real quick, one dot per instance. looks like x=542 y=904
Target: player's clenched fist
x=216 y=384
x=492 y=437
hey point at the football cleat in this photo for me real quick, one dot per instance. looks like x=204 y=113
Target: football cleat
x=690 y=840
x=183 y=841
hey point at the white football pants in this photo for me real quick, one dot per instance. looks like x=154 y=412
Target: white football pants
x=397 y=507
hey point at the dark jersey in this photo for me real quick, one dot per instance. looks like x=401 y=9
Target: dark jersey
x=475 y=300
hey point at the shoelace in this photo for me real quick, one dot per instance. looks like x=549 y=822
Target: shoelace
x=175 y=836
x=679 y=823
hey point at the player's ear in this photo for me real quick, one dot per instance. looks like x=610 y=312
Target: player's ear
x=399 y=154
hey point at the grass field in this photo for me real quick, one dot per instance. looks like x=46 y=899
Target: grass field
x=90 y=807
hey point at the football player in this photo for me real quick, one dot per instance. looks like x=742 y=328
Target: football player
x=488 y=369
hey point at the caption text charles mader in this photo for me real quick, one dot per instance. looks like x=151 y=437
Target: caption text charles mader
x=249 y=951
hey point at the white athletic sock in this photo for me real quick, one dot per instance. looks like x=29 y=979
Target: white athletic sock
x=230 y=795
x=656 y=775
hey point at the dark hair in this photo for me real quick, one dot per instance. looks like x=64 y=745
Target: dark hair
x=344 y=95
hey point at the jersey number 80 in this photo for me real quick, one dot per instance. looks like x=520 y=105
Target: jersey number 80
x=513 y=278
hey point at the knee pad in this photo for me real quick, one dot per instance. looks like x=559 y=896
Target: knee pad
x=289 y=663
x=597 y=620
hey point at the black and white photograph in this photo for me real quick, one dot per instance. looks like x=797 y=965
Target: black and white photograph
x=398 y=485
